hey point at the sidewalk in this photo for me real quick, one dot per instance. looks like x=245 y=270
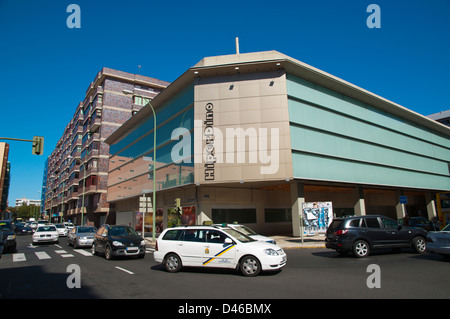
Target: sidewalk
x=285 y=242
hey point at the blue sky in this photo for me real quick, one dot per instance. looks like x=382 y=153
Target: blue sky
x=45 y=67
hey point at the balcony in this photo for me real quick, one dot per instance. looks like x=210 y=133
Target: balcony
x=95 y=123
x=92 y=153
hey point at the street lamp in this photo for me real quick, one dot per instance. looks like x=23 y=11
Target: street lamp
x=154 y=166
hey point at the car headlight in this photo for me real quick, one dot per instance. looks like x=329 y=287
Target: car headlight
x=270 y=252
x=143 y=243
x=117 y=243
x=10 y=237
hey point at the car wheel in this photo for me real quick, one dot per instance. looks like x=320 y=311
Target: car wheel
x=172 y=263
x=93 y=250
x=250 y=266
x=419 y=244
x=108 y=253
x=361 y=249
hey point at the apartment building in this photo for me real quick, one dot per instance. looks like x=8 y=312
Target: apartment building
x=27 y=201
x=75 y=182
x=4 y=176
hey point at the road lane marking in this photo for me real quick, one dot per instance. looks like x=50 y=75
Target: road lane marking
x=19 y=257
x=42 y=255
x=60 y=251
x=67 y=255
x=83 y=252
x=127 y=271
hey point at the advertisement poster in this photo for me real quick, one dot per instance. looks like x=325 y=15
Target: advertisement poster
x=187 y=218
x=149 y=221
x=317 y=216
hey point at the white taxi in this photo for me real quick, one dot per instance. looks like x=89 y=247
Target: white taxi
x=209 y=246
x=248 y=231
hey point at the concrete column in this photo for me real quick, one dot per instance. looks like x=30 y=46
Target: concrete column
x=400 y=208
x=297 y=200
x=360 y=206
x=431 y=207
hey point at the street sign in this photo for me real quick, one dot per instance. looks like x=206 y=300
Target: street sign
x=403 y=199
x=145 y=204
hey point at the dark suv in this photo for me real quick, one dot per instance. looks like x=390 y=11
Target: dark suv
x=7 y=236
x=115 y=240
x=361 y=234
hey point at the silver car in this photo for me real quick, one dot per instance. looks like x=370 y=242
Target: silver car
x=439 y=241
x=81 y=236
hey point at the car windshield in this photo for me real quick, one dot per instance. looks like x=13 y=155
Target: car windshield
x=5 y=226
x=446 y=228
x=243 y=238
x=122 y=231
x=86 y=229
x=245 y=230
x=46 y=228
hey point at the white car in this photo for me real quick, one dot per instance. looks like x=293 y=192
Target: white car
x=222 y=247
x=62 y=230
x=249 y=232
x=69 y=226
x=46 y=233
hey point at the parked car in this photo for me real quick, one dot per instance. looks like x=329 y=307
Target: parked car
x=46 y=233
x=211 y=246
x=62 y=230
x=439 y=241
x=115 y=240
x=81 y=236
x=8 y=237
x=362 y=234
x=22 y=229
x=249 y=232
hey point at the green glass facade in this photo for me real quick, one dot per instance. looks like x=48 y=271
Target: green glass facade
x=337 y=138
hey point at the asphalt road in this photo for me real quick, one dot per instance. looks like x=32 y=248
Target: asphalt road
x=309 y=274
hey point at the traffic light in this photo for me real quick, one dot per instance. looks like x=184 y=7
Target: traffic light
x=38 y=145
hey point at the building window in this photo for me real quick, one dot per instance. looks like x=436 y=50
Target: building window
x=231 y=215
x=139 y=100
x=277 y=215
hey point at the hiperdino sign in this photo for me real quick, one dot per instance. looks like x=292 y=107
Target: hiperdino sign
x=227 y=147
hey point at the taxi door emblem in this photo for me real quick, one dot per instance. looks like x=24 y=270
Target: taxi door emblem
x=207 y=251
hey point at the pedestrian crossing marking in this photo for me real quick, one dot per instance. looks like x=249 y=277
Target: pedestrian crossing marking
x=19 y=257
x=83 y=252
x=42 y=255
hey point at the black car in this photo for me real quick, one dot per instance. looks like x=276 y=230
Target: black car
x=22 y=228
x=115 y=240
x=8 y=237
x=361 y=234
